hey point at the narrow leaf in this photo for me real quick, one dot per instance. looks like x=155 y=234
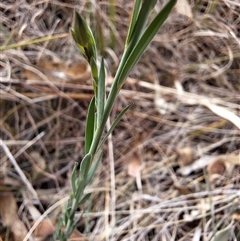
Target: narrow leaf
x=74 y=177
x=89 y=130
x=94 y=168
x=136 y=31
x=101 y=94
x=85 y=166
x=145 y=39
x=141 y=21
x=135 y=13
x=85 y=198
x=81 y=184
x=68 y=212
x=116 y=121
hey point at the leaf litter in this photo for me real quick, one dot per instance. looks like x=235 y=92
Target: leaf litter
x=179 y=181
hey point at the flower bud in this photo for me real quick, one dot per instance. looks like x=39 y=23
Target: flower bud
x=83 y=37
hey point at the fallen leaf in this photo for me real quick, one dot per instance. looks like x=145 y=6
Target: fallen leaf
x=45 y=229
x=216 y=164
x=79 y=71
x=232 y=159
x=236 y=216
x=58 y=71
x=134 y=166
x=185 y=156
x=222 y=164
x=223 y=112
x=9 y=217
x=77 y=236
x=183 y=190
x=39 y=164
x=196 y=165
x=31 y=76
x=182 y=7
x=216 y=167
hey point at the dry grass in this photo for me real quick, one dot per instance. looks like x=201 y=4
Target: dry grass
x=186 y=92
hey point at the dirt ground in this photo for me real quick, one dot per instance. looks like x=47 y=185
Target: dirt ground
x=170 y=171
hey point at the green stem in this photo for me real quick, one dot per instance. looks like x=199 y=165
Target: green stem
x=108 y=107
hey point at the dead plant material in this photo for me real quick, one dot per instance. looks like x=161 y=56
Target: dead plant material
x=185 y=156
x=9 y=216
x=218 y=166
x=133 y=165
x=59 y=71
x=186 y=95
x=183 y=7
x=44 y=229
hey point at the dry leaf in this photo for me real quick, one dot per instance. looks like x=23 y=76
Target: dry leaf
x=79 y=71
x=77 y=236
x=183 y=7
x=223 y=112
x=216 y=164
x=58 y=71
x=220 y=164
x=235 y=216
x=185 y=156
x=183 y=190
x=217 y=167
x=196 y=166
x=31 y=76
x=232 y=159
x=9 y=217
x=39 y=164
x=44 y=229
x=134 y=166
x=51 y=65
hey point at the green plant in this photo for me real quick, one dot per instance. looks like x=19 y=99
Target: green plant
x=100 y=107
